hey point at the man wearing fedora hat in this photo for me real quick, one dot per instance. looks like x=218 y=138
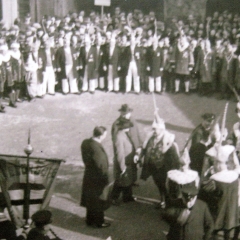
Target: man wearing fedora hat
x=126 y=113
x=190 y=218
x=124 y=167
x=133 y=133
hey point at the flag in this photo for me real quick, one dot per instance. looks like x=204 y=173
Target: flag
x=42 y=175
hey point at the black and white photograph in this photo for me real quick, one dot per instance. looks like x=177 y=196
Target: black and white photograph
x=119 y=119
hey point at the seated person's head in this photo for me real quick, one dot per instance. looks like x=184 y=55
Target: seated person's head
x=42 y=219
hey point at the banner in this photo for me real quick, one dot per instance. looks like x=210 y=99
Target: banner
x=42 y=175
x=106 y=3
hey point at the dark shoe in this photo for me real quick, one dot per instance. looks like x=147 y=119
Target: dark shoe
x=91 y=92
x=104 y=225
x=31 y=99
x=2 y=107
x=2 y=111
x=132 y=199
x=157 y=205
x=13 y=105
x=41 y=97
x=136 y=184
x=160 y=205
x=115 y=202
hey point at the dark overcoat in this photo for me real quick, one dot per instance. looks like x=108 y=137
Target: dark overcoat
x=199 y=225
x=95 y=176
x=114 y=60
x=206 y=66
x=227 y=206
x=184 y=59
x=17 y=69
x=36 y=234
x=60 y=61
x=125 y=153
x=228 y=69
x=42 y=54
x=127 y=56
x=155 y=62
x=88 y=60
x=133 y=133
x=102 y=60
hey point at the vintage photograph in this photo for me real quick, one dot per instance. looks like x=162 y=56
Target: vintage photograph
x=119 y=119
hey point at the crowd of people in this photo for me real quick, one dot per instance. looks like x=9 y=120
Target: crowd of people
x=120 y=53
x=135 y=52
x=198 y=188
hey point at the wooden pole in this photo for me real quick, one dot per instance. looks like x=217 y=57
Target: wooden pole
x=102 y=12
x=28 y=150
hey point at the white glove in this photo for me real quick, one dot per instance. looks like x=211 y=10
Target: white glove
x=136 y=159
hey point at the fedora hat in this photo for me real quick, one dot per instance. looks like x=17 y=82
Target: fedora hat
x=125 y=109
x=42 y=217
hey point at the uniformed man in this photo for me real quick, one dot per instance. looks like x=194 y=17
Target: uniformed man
x=160 y=153
x=203 y=130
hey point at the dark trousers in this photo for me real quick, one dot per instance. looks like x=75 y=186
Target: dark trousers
x=126 y=191
x=95 y=217
x=159 y=177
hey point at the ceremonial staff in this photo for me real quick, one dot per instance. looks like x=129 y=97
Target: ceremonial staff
x=223 y=126
x=28 y=150
x=154 y=102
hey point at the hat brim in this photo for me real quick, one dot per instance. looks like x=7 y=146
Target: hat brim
x=125 y=110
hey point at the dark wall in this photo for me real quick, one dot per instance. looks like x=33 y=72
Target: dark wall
x=221 y=5
x=23 y=8
x=126 y=5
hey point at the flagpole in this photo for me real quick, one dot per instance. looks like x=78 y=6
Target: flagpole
x=28 y=150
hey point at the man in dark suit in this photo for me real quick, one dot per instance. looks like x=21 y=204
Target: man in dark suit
x=47 y=54
x=88 y=65
x=95 y=178
x=189 y=218
x=101 y=59
x=203 y=130
x=133 y=65
x=113 y=65
x=66 y=65
x=155 y=66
